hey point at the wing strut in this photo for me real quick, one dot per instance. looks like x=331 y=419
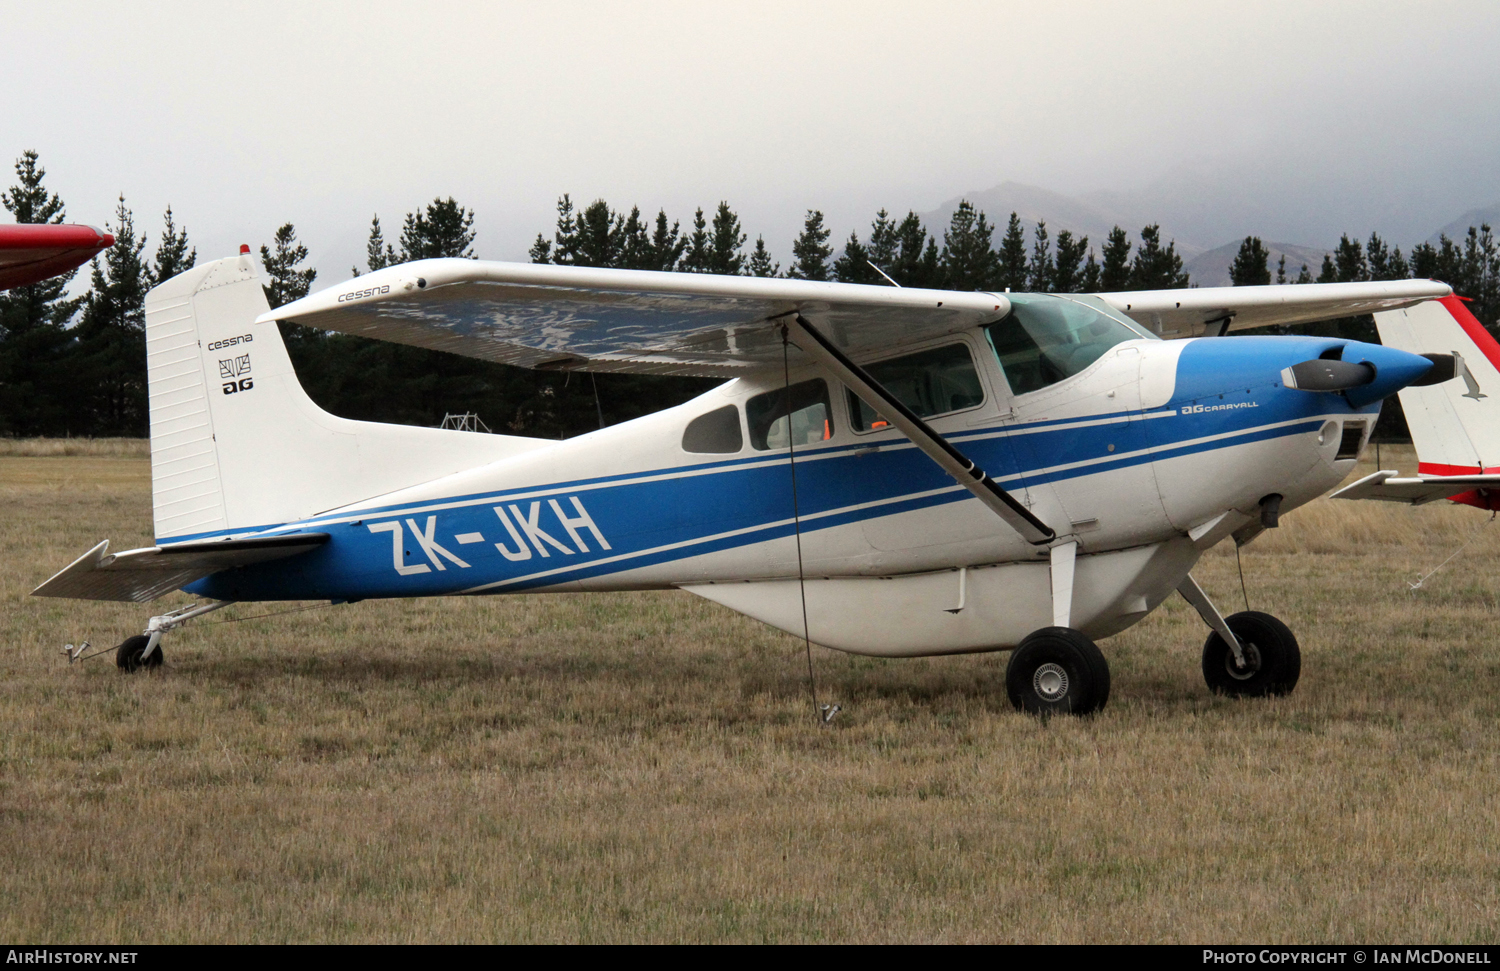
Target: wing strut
x=951 y=460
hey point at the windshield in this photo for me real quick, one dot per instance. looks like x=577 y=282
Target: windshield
x=1046 y=338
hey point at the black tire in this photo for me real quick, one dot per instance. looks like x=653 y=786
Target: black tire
x=1057 y=671
x=128 y=654
x=1275 y=660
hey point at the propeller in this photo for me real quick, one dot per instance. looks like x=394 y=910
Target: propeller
x=1366 y=373
x=1325 y=375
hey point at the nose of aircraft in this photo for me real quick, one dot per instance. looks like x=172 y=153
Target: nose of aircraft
x=1363 y=372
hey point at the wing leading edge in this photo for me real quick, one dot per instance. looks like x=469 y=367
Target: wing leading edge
x=1218 y=310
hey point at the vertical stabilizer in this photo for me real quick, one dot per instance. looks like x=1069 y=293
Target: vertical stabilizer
x=237 y=445
x=1455 y=425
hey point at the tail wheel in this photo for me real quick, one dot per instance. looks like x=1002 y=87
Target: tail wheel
x=1057 y=670
x=128 y=654
x=1273 y=661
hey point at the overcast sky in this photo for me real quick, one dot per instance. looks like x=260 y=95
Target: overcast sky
x=245 y=116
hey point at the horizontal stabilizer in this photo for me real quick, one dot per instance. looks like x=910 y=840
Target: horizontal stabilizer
x=1423 y=489
x=137 y=576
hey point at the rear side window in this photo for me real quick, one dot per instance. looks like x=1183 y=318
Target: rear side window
x=798 y=415
x=716 y=432
x=932 y=382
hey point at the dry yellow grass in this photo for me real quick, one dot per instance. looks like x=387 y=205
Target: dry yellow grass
x=645 y=767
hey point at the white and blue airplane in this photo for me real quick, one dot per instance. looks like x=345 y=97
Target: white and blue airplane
x=886 y=471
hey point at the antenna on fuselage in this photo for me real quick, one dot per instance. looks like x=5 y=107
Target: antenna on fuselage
x=884 y=274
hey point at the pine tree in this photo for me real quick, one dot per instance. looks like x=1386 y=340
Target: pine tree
x=1479 y=279
x=885 y=244
x=1349 y=259
x=172 y=253
x=726 y=244
x=667 y=245
x=1423 y=261
x=601 y=236
x=917 y=263
x=1281 y=269
x=1328 y=273
x=563 y=249
x=1304 y=276
x=810 y=252
x=695 y=257
x=1039 y=272
x=1067 y=271
x=968 y=260
x=635 y=252
x=1090 y=282
x=760 y=260
x=1114 y=274
x=853 y=265
x=111 y=360
x=1378 y=257
x=378 y=253
x=1250 y=267
x=35 y=396
x=288 y=281
x=1156 y=267
x=1012 y=256
x=445 y=229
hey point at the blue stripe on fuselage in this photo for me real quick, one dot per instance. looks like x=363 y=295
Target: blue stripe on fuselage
x=1228 y=394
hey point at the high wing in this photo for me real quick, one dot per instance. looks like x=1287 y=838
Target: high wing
x=1219 y=310
x=30 y=253
x=566 y=317
x=1422 y=489
x=138 y=576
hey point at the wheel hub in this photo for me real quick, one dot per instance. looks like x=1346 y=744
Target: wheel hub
x=1050 y=682
x=1252 y=662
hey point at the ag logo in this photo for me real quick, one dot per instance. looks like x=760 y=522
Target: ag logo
x=232 y=368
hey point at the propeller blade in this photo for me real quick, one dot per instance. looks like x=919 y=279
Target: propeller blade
x=1445 y=367
x=1326 y=375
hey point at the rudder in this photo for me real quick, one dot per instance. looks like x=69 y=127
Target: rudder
x=237 y=445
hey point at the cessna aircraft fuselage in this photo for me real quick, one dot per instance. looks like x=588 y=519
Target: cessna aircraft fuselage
x=1150 y=454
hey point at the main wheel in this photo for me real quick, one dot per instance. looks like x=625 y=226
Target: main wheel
x=1057 y=671
x=128 y=654
x=1273 y=661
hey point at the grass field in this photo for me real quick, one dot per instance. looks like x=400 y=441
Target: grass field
x=646 y=767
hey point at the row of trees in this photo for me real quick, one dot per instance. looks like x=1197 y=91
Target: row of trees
x=75 y=365
x=1470 y=265
x=896 y=251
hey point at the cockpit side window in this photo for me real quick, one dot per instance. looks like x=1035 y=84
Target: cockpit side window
x=937 y=381
x=716 y=432
x=798 y=415
x=1045 y=339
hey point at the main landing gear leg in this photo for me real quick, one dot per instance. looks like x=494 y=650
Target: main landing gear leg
x=1249 y=654
x=1058 y=670
x=144 y=650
